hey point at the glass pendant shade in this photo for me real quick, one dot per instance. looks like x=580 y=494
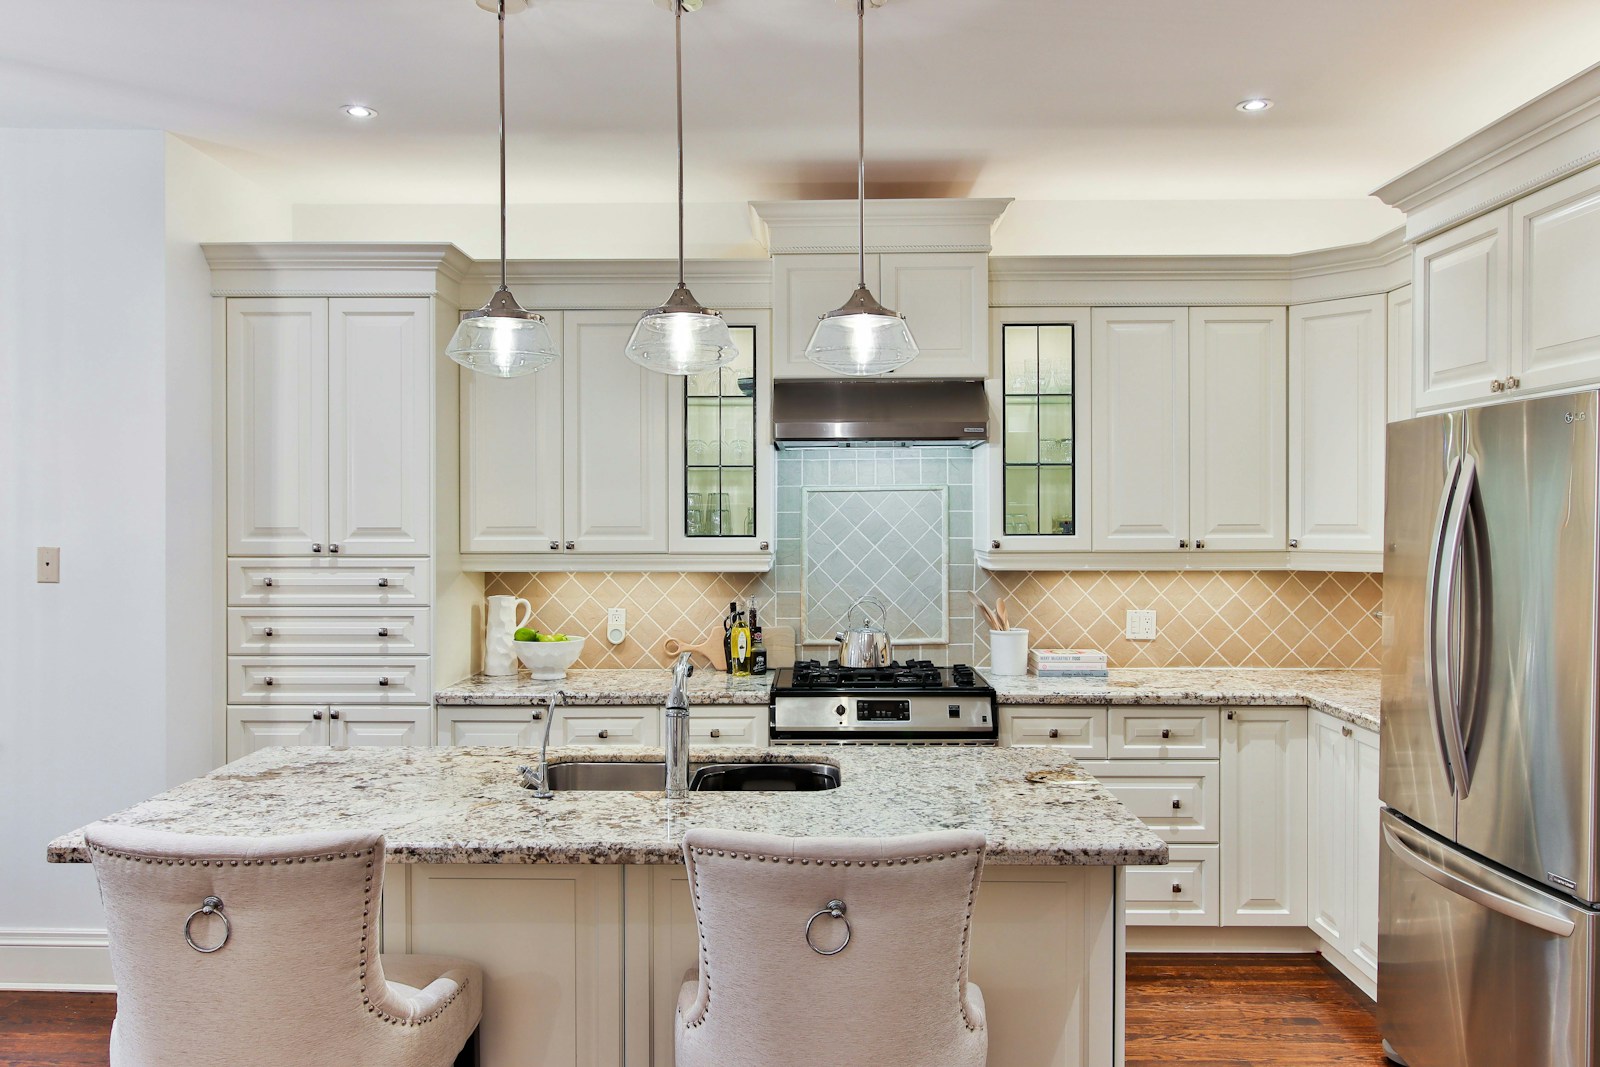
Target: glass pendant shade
x=862 y=339
x=503 y=339
x=681 y=337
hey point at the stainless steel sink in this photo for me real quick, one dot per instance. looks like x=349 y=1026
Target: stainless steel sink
x=704 y=777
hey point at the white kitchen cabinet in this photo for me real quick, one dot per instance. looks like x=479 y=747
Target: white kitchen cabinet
x=250 y=729
x=330 y=427
x=630 y=726
x=490 y=727
x=1402 y=367
x=1342 y=887
x=1238 y=440
x=615 y=441
x=1080 y=731
x=627 y=725
x=363 y=726
x=1140 y=400
x=345 y=679
x=1337 y=422
x=717 y=726
x=1462 y=282
x=1163 y=732
x=277 y=416
x=1178 y=799
x=944 y=296
x=513 y=488
x=334 y=583
x=1181 y=892
x=1555 y=273
x=1264 y=817
x=328 y=632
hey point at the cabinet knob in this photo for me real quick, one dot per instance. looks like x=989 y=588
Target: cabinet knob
x=316 y=548
x=1166 y=734
x=555 y=546
x=383 y=583
x=1347 y=731
x=572 y=546
x=334 y=549
x=333 y=714
x=1513 y=383
x=1199 y=544
x=1177 y=887
x=1177 y=804
x=267 y=632
x=1497 y=386
x=715 y=732
x=1054 y=732
x=383 y=631
x=317 y=715
x=266 y=581
x=537 y=715
x=603 y=734
x=994 y=544
x=267 y=680
x=1183 y=544
x=1231 y=714
x=765 y=546
x=1294 y=542
x=383 y=681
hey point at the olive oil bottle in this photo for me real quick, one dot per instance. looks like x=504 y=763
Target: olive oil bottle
x=740 y=647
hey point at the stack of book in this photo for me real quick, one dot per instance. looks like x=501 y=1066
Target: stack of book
x=1066 y=663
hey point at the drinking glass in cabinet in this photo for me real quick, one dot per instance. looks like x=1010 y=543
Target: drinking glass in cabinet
x=1055 y=499
x=1054 y=354
x=1021 y=359
x=1022 y=429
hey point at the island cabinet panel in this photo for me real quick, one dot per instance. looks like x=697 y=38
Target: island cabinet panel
x=1044 y=948
x=549 y=939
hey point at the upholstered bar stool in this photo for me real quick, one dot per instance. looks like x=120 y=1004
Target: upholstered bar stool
x=263 y=952
x=832 y=950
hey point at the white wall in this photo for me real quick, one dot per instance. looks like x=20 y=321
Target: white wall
x=105 y=451
x=722 y=231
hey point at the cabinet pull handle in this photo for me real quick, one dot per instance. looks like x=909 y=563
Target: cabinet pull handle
x=1055 y=732
x=1183 y=544
x=267 y=632
x=1200 y=544
x=383 y=583
x=317 y=715
x=334 y=714
x=334 y=549
x=1294 y=542
x=555 y=546
x=1166 y=734
x=715 y=732
x=1177 y=804
x=267 y=680
x=1177 y=887
x=1347 y=731
x=383 y=631
x=267 y=580
x=316 y=548
x=1231 y=714
x=571 y=546
x=994 y=544
x=1497 y=386
x=1513 y=383
x=603 y=734
x=383 y=681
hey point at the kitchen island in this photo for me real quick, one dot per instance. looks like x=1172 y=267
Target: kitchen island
x=578 y=909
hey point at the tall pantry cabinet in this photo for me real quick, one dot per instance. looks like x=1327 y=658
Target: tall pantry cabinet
x=336 y=562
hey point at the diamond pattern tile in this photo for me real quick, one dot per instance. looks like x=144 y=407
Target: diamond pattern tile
x=891 y=543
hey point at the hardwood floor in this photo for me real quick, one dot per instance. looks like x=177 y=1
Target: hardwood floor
x=1247 y=1011
x=1200 y=1011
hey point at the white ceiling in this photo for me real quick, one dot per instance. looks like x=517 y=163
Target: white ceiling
x=1035 y=99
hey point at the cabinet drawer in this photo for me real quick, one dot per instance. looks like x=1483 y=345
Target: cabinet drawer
x=372 y=583
x=1184 y=892
x=728 y=726
x=1181 y=803
x=1165 y=733
x=1080 y=731
x=374 y=680
x=328 y=632
x=494 y=727
x=607 y=726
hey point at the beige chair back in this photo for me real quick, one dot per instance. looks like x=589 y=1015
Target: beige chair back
x=298 y=978
x=896 y=995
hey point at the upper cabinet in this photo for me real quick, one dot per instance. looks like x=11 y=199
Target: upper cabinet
x=1555 y=274
x=330 y=425
x=1462 y=280
x=1337 y=418
x=1401 y=332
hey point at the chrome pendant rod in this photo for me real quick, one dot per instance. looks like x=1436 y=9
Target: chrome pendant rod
x=677 y=15
x=861 y=137
x=502 y=19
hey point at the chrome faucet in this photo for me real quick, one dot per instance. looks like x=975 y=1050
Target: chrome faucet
x=676 y=732
x=538 y=778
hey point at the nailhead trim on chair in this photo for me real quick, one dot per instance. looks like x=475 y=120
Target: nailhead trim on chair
x=366 y=913
x=966 y=929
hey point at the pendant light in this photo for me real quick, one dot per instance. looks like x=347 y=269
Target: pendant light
x=681 y=336
x=863 y=337
x=502 y=338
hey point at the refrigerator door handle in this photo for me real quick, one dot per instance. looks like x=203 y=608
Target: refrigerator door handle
x=1454 y=537
x=1431 y=663
x=1491 y=890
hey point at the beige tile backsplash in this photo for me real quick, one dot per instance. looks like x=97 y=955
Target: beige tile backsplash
x=1204 y=618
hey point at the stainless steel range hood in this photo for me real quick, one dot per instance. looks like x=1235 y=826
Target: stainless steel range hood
x=879 y=412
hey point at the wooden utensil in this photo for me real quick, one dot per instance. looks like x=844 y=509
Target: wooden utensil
x=710 y=649
x=988 y=613
x=1000 y=610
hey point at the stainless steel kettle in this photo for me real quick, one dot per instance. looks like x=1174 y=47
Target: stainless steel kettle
x=865 y=645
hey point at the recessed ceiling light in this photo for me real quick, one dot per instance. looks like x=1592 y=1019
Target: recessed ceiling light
x=359 y=111
x=1254 y=104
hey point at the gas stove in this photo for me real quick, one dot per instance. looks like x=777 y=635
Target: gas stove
x=911 y=703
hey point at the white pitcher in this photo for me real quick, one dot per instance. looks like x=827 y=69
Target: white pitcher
x=499 y=658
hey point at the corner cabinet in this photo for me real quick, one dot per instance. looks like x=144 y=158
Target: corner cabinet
x=1264 y=816
x=1345 y=846
x=587 y=465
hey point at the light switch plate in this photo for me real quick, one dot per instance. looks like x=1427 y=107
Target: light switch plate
x=1141 y=626
x=49 y=565
x=616 y=625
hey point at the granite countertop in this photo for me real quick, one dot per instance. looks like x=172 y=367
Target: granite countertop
x=607 y=687
x=1349 y=695
x=467 y=805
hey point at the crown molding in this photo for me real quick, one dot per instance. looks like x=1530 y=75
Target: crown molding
x=606 y=284
x=303 y=268
x=1543 y=141
x=789 y=227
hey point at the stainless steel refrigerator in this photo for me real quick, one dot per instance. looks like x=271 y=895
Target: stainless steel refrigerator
x=1490 y=769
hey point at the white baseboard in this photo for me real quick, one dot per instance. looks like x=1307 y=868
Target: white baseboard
x=1221 y=939
x=68 y=960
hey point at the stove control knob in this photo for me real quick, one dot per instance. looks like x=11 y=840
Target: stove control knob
x=840 y=710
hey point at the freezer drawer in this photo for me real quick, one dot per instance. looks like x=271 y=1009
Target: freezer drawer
x=1477 y=968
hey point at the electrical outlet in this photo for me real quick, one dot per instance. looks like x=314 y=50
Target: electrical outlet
x=616 y=625
x=1141 y=626
x=49 y=565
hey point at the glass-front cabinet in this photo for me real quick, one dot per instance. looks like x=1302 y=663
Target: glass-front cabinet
x=1036 y=490
x=723 y=448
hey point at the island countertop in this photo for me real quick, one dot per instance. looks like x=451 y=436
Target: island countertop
x=467 y=805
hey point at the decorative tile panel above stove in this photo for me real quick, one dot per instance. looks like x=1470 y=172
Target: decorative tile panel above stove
x=892 y=543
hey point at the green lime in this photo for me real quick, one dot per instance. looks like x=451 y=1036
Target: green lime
x=526 y=634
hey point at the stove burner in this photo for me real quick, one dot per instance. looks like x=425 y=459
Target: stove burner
x=913 y=674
